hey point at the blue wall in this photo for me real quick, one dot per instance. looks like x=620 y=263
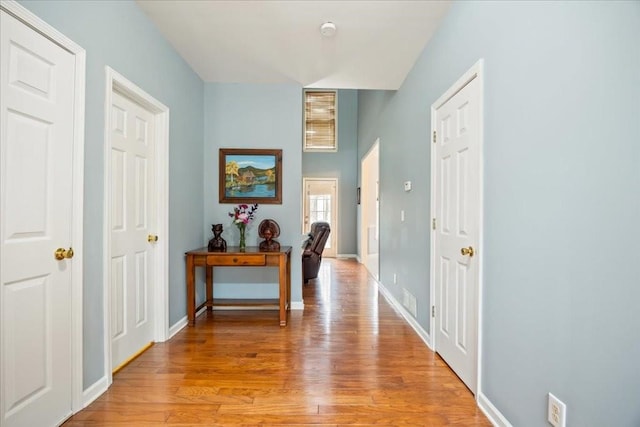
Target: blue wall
x=561 y=195
x=343 y=165
x=255 y=116
x=118 y=34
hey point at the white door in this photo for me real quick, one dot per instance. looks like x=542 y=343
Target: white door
x=457 y=228
x=132 y=223
x=321 y=204
x=36 y=159
x=369 y=210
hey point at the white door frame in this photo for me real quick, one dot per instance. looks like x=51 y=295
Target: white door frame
x=335 y=208
x=77 y=188
x=118 y=83
x=475 y=72
x=364 y=257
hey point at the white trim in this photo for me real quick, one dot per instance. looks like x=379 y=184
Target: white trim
x=179 y=325
x=475 y=72
x=480 y=73
x=94 y=391
x=495 y=417
x=354 y=256
x=395 y=304
x=304 y=123
x=77 y=188
x=295 y=305
x=182 y=323
x=116 y=82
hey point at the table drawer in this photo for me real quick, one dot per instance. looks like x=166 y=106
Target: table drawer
x=230 y=260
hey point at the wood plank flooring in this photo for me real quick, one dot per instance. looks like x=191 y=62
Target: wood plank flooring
x=347 y=359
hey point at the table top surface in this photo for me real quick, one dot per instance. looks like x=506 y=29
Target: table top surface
x=235 y=250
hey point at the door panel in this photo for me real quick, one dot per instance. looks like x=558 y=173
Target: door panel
x=457 y=212
x=36 y=155
x=132 y=208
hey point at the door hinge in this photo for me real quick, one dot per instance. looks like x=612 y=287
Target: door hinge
x=433 y=223
x=434 y=136
x=433 y=311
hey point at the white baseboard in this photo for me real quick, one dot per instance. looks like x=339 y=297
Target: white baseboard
x=177 y=327
x=94 y=391
x=495 y=417
x=295 y=305
x=347 y=256
x=424 y=336
x=493 y=414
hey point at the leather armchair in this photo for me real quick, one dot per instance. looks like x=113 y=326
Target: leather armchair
x=312 y=255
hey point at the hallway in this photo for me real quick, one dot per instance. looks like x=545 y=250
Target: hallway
x=347 y=359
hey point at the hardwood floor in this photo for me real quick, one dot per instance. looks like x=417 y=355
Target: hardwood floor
x=347 y=359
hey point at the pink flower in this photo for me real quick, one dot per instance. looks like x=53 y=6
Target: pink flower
x=243 y=214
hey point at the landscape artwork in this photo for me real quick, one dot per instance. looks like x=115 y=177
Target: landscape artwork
x=250 y=176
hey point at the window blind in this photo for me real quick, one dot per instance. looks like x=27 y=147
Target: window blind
x=320 y=121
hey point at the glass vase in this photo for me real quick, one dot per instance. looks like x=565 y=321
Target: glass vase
x=243 y=243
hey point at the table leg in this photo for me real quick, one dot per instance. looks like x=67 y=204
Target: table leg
x=191 y=291
x=209 y=286
x=282 y=268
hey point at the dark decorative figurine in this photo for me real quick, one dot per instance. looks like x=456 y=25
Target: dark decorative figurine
x=268 y=230
x=217 y=244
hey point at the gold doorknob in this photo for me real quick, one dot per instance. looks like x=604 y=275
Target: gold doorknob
x=62 y=253
x=152 y=238
x=467 y=251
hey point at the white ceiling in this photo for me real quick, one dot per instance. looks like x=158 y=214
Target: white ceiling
x=375 y=46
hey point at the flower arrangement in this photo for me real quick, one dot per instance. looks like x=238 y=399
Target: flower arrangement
x=242 y=215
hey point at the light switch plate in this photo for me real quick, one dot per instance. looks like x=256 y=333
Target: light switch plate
x=407 y=186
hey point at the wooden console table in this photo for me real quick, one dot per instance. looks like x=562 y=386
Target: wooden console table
x=251 y=257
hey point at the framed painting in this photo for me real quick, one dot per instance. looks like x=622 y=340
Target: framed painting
x=250 y=176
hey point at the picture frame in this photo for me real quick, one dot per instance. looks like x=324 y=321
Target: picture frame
x=250 y=176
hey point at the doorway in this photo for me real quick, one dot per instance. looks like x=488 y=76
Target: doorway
x=456 y=208
x=370 y=210
x=321 y=204
x=136 y=228
x=42 y=145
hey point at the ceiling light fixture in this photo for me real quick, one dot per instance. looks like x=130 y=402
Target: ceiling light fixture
x=328 y=29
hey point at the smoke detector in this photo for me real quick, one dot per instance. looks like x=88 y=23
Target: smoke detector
x=328 y=29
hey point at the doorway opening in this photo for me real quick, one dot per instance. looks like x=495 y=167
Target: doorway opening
x=321 y=204
x=456 y=240
x=41 y=198
x=370 y=210
x=136 y=230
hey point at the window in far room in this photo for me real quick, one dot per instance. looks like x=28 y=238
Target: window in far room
x=320 y=121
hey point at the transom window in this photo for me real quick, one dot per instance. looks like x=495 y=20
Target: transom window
x=320 y=121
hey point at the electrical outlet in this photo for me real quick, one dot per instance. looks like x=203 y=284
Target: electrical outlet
x=395 y=279
x=402 y=216
x=556 y=412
